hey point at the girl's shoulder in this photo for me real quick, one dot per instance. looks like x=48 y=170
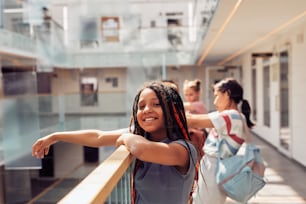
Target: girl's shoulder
x=232 y=118
x=181 y=141
x=186 y=143
x=232 y=113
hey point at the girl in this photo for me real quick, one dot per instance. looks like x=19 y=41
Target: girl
x=165 y=158
x=192 y=94
x=193 y=104
x=226 y=123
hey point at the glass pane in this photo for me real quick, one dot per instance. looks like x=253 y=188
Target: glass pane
x=20 y=120
x=285 y=136
x=284 y=88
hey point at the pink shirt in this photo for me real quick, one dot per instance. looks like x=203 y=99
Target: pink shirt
x=198 y=107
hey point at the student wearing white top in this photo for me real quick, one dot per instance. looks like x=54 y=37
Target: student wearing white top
x=226 y=123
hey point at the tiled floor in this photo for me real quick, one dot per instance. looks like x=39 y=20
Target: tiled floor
x=286 y=180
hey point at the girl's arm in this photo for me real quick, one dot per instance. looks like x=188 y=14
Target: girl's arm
x=188 y=106
x=199 y=121
x=92 y=138
x=172 y=154
x=197 y=107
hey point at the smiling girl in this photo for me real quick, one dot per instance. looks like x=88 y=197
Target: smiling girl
x=165 y=159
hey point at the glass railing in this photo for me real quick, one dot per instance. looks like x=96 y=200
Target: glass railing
x=121 y=193
x=135 y=46
x=14 y=42
x=19 y=120
x=46 y=43
x=50 y=45
x=26 y=116
x=175 y=45
x=143 y=46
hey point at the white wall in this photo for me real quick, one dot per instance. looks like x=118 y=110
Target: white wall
x=298 y=97
x=294 y=40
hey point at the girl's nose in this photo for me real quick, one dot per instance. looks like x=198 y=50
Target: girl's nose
x=147 y=109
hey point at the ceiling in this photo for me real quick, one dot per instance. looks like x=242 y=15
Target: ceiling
x=240 y=25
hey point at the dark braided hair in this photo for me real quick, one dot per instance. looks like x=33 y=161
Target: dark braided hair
x=235 y=92
x=172 y=105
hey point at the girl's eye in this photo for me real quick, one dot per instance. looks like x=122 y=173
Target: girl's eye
x=141 y=107
x=156 y=104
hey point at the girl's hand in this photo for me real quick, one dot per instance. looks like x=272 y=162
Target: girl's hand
x=41 y=147
x=136 y=144
x=126 y=137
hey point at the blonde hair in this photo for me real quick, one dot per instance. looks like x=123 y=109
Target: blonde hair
x=194 y=84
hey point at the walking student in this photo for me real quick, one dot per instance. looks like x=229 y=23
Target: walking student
x=225 y=123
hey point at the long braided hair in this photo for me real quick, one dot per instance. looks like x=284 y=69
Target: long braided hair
x=172 y=105
x=174 y=117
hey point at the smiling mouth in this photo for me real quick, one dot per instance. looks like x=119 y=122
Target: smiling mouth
x=149 y=119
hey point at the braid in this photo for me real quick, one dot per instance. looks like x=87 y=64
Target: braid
x=162 y=95
x=177 y=109
x=137 y=129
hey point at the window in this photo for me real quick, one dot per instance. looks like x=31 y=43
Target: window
x=113 y=81
x=152 y=24
x=110 y=29
x=174 y=32
x=89 y=29
x=89 y=91
x=284 y=89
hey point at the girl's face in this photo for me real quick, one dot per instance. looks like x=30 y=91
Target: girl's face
x=191 y=95
x=150 y=114
x=222 y=100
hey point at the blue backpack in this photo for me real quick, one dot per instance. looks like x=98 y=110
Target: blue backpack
x=242 y=175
